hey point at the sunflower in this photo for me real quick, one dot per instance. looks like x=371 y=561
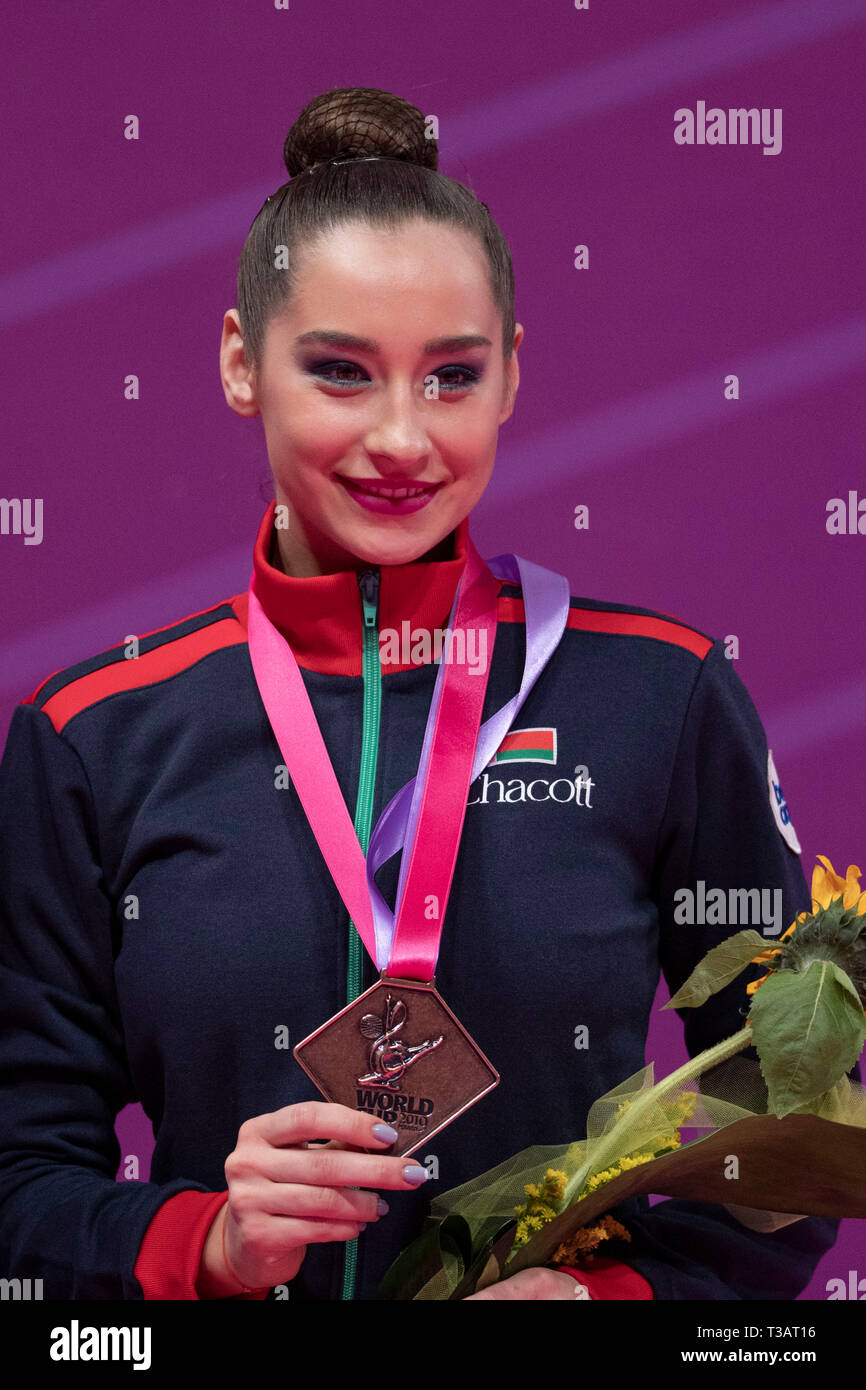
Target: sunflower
x=834 y=930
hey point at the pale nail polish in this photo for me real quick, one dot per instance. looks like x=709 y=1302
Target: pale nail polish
x=412 y=1173
x=386 y=1134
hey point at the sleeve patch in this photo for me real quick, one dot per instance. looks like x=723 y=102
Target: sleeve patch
x=779 y=807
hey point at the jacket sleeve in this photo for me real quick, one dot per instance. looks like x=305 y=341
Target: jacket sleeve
x=170 y=1255
x=64 y=1073
x=608 y=1279
x=720 y=826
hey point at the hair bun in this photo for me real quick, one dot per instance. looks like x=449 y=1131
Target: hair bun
x=353 y=121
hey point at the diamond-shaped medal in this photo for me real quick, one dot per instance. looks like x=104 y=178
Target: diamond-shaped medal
x=398 y=1054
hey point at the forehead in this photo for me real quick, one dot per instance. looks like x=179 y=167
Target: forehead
x=432 y=269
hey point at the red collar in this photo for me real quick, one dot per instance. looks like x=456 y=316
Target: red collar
x=321 y=617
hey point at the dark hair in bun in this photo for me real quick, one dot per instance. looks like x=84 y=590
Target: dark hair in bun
x=357 y=121
x=404 y=182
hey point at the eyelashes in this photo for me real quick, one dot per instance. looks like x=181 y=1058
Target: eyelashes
x=324 y=371
x=471 y=377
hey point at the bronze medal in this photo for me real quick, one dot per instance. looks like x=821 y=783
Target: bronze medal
x=398 y=1054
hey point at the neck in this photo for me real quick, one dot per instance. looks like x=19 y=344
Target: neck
x=297 y=559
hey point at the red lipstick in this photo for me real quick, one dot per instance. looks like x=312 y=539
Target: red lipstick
x=395 y=496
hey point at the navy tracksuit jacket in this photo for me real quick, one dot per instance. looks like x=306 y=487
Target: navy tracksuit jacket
x=165 y=913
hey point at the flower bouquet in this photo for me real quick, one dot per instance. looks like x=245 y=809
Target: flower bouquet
x=795 y=1112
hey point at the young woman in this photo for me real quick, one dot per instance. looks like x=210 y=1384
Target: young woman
x=170 y=926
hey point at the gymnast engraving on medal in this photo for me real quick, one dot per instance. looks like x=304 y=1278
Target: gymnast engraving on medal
x=390 y=1058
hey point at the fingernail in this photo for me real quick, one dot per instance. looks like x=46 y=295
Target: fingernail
x=413 y=1173
x=386 y=1134
x=382 y=1208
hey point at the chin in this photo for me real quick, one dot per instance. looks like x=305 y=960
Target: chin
x=398 y=550
x=395 y=552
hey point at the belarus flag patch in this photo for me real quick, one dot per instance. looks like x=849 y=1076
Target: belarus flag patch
x=526 y=746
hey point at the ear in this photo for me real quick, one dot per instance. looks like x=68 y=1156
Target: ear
x=512 y=375
x=235 y=372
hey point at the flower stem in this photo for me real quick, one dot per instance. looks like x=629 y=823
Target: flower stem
x=704 y=1060
x=693 y=1067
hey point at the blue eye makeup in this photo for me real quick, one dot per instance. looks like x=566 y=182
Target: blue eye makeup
x=326 y=372
x=469 y=374
x=336 y=374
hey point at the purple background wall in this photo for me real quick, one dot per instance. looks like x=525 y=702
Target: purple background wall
x=121 y=256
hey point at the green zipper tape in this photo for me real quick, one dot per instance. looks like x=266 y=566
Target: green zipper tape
x=372 y=671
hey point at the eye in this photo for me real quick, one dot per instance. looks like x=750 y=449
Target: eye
x=327 y=371
x=469 y=375
x=455 y=377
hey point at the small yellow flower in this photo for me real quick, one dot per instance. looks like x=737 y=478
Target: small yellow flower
x=626 y=1163
x=582 y=1245
x=542 y=1205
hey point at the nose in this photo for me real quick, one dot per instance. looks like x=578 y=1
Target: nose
x=397 y=432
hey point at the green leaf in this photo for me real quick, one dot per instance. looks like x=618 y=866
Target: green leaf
x=808 y=1028
x=423 y=1259
x=413 y=1267
x=831 y=1105
x=496 y=1248
x=718 y=967
x=847 y=984
x=457 y=1233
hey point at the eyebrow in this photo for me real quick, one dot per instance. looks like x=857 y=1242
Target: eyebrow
x=434 y=345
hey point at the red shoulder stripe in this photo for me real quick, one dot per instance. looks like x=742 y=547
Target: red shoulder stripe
x=155 y=665
x=511 y=610
x=31 y=698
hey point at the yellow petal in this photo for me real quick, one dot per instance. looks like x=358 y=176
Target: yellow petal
x=852 y=887
x=774 y=950
x=826 y=883
x=765 y=955
x=750 y=989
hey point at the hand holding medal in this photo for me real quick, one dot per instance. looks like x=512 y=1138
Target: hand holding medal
x=287 y=1192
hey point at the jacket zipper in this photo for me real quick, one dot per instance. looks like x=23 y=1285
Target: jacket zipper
x=368 y=582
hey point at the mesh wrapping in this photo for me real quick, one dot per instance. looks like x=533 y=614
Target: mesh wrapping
x=356 y=121
x=821 y=1167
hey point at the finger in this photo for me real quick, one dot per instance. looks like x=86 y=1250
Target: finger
x=315 y=1232
x=314 y=1119
x=324 y=1203
x=529 y=1285
x=335 y=1144
x=323 y=1166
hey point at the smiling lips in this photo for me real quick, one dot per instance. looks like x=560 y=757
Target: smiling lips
x=397 y=496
